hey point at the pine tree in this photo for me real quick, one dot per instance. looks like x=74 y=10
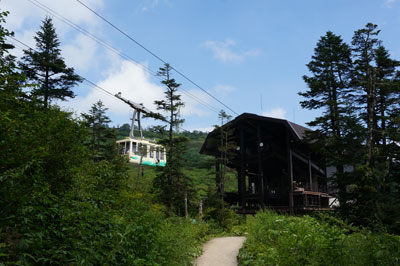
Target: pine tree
x=329 y=85
x=5 y=57
x=386 y=120
x=387 y=97
x=224 y=149
x=101 y=141
x=376 y=78
x=337 y=129
x=46 y=68
x=364 y=46
x=10 y=79
x=359 y=126
x=171 y=183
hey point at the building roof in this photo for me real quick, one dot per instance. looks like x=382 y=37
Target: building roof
x=300 y=130
x=296 y=131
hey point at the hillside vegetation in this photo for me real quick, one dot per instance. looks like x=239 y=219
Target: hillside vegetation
x=275 y=239
x=59 y=207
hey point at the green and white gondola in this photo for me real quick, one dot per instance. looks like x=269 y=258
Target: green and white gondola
x=138 y=149
x=142 y=151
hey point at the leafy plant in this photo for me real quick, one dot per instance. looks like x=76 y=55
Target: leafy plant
x=286 y=240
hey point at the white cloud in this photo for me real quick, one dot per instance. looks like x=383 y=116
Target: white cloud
x=128 y=78
x=22 y=11
x=223 y=51
x=389 y=3
x=24 y=37
x=150 y=4
x=87 y=57
x=195 y=101
x=80 y=52
x=276 y=113
x=135 y=84
x=223 y=88
x=202 y=129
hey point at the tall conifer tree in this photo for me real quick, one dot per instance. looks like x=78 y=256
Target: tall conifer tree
x=365 y=44
x=387 y=97
x=45 y=66
x=359 y=126
x=171 y=183
x=376 y=78
x=330 y=91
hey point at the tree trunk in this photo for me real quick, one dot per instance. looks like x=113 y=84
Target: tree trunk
x=139 y=169
x=371 y=102
x=201 y=209
x=46 y=89
x=383 y=120
x=186 y=205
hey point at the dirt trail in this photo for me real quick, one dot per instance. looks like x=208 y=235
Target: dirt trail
x=221 y=251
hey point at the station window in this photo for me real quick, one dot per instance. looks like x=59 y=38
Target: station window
x=128 y=147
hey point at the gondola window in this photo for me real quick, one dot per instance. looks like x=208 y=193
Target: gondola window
x=151 y=151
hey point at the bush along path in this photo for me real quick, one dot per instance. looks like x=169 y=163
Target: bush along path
x=275 y=239
x=221 y=251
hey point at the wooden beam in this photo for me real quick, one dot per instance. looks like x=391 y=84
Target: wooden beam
x=290 y=171
x=305 y=159
x=260 y=168
x=242 y=175
x=310 y=173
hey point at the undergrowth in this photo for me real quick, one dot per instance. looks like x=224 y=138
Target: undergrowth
x=285 y=240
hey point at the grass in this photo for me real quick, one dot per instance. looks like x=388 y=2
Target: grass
x=286 y=240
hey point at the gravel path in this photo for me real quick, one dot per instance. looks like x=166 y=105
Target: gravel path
x=221 y=251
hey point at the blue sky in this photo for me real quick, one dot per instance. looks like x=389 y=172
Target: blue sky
x=249 y=54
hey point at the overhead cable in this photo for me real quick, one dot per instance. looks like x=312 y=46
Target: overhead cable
x=92 y=84
x=113 y=49
x=155 y=55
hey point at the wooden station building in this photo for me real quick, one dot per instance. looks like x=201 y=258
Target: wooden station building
x=275 y=167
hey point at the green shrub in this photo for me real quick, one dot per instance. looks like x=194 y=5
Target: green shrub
x=59 y=207
x=285 y=240
x=181 y=241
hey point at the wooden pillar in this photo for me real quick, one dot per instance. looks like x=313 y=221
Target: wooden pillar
x=290 y=170
x=239 y=179
x=242 y=175
x=260 y=168
x=291 y=202
x=239 y=170
x=319 y=200
x=310 y=174
x=305 y=201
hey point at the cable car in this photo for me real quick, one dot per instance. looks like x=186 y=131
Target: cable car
x=138 y=149
x=142 y=151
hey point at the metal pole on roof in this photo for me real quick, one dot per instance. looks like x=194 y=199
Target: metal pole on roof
x=138 y=109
